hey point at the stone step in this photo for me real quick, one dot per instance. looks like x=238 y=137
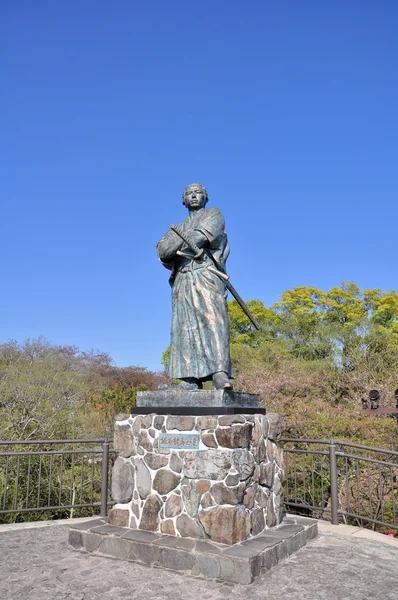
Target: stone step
x=239 y=563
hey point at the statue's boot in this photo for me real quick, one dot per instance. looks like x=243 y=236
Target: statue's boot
x=190 y=383
x=221 y=381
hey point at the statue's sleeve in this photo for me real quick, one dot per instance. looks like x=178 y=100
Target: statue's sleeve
x=212 y=226
x=167 y=248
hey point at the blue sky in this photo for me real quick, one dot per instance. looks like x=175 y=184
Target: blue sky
x=286 y=112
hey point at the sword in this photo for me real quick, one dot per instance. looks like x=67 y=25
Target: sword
x=198 y=252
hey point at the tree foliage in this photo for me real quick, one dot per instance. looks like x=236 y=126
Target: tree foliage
x=317 y=354
x=49 y=391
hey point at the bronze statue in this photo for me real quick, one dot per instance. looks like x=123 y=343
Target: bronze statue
x=200 y=329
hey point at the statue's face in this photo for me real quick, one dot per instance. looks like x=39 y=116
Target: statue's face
x=194 y=197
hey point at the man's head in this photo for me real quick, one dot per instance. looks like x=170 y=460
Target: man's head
x=195 y=196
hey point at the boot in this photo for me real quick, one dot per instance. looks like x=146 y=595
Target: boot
x=190 y=383
x=221 y=381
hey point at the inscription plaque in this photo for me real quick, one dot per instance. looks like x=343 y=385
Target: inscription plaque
x=179 y=441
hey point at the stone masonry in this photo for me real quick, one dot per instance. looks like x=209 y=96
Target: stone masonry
x=227 y=490
x=239 y=563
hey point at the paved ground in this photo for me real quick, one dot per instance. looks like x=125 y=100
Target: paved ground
x=36 y=564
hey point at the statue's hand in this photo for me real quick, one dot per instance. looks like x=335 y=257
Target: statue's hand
x=197 y=238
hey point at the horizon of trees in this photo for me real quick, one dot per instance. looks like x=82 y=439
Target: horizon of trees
x=317 y=353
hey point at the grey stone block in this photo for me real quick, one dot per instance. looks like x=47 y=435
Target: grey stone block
x=122 y=480
x=165 y=481
x=178 y=560
x=232 y=479
x=236 y=571
x=75 y=539
x=175 y=463
x=146 y=421
x=256 y=564
x=155 y=461
x=270 y=557
x=169 y=541
x=150 y=513
x=91 y=541
x=141 y=536
x=209 y=566
x=227 y=567
x=260 y=544
x=180 y=422
x=289 y=521
x=281 y=532
x=226 y=524
x=123 y=440
x=191 y=497
x=243 y=462
x=203 y=398
x=207 y=547
x=235 y=436
x=109 y=530
x=89 y=524
x=257 y=520
x=206 y=464
x=241 y=551
x=276 y=425
x=225 y=420
x=299 y=520
x=227 y=495
x=207 y=422
x=282 y=550
x=312 y=531
x=293 y=543
x=144 y=480
x=116 y=547
x=145 y=553
x=132 y=556
x=119 y=517
x=158 y=421
x=188 y=527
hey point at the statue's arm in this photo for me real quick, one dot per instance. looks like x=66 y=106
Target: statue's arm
x=168 y=246
x=198 y=238
x=211 y=227
x=203 y=236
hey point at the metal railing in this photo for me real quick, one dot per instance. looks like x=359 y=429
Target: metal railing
x=333 y=479
x=55 y=476
x=349 y=482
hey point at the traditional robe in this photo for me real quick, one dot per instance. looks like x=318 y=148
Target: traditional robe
x=200 y=326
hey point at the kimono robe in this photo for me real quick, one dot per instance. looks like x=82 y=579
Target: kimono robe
x=200 y=326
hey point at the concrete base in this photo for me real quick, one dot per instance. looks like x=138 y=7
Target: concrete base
x=238 y=563
x=217 y=401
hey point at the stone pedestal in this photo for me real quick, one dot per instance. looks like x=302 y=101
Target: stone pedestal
x=198 y=492
x=176 y=401
x=208 y=476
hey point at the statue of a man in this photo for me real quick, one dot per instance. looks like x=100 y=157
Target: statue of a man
x=199 y=348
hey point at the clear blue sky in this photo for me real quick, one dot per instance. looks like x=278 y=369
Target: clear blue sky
x=286 y=111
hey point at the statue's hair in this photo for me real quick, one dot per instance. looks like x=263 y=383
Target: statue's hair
x=201 y=187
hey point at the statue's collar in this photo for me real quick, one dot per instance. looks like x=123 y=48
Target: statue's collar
x=194 y=215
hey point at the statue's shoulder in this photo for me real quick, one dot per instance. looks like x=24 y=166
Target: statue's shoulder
x=214 y=212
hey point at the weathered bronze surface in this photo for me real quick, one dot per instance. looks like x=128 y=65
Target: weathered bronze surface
x=198 y=252
x=199 y=348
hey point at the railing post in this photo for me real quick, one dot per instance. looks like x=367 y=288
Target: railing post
x=334 y=497
x=104 y=478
